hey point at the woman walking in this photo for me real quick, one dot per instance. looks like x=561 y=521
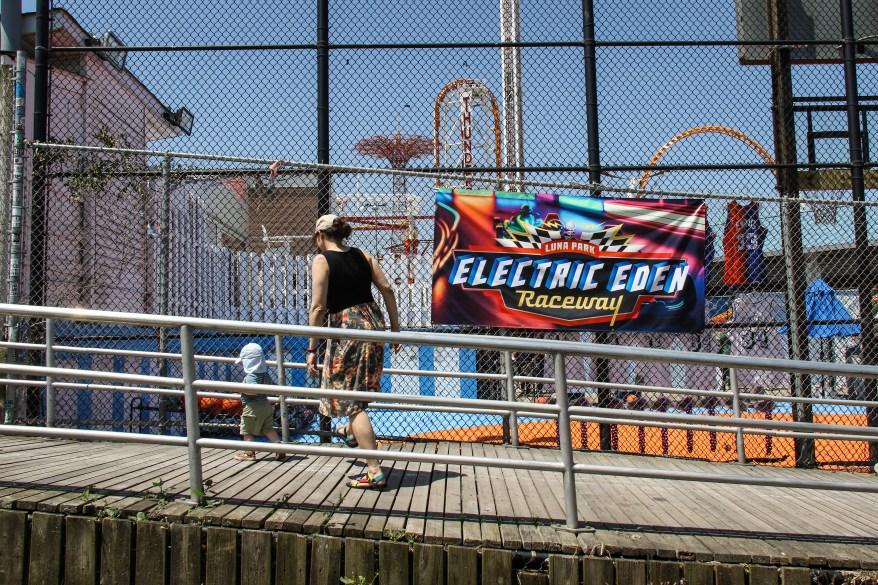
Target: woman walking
x=341 y=288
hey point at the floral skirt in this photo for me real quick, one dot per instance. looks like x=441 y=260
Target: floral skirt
x=352 y=365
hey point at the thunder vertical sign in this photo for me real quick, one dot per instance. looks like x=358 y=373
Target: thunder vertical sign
x=544 y=261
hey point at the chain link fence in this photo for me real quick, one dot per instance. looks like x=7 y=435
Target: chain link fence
x=745 y=105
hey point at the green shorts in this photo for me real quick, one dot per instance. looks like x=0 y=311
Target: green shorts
x=257 y=418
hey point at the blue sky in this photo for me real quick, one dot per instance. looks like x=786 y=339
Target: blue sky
x=263 y=103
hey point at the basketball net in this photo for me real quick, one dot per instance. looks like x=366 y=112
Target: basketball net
x=825 y=213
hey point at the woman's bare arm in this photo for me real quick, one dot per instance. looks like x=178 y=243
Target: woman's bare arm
x=386 y=291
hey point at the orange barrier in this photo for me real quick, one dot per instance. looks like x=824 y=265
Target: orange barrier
x=680 y=443
x=217 y=406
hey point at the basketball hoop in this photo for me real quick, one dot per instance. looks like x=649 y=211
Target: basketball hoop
x=825 y=213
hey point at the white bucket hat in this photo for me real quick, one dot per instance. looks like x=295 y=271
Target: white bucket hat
x=252 y=359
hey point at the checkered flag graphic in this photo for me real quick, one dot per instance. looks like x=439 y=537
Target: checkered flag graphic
x=529 y=241
x=609 y=240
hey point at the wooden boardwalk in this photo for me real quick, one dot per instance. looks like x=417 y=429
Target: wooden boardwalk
x=450 y=504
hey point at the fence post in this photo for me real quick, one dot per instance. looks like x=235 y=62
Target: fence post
x=196 y=486
x=282 y=381
x=791 y=221
x=566 y=442
x=50 y=363
x=15 y=225
x=164 y=246
x=868 y=341
x=736 y=409
x=510 y=396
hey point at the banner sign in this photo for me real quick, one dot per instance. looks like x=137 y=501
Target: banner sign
x=545 y=261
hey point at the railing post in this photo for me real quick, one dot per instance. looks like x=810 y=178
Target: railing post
x=196 y=486
x=50 y=363
x=736 y=409
x=510 y=396
x=566 y=442
x=282 y=381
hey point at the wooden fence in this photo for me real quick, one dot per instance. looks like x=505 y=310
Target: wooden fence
x=207 y=280
x=50 y=549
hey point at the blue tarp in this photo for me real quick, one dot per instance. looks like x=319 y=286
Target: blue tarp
x=821 y=304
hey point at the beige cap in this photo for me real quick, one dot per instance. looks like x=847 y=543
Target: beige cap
x=324 y=222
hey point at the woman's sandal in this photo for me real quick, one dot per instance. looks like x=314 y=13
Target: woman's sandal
x=342 y=433
x=369 y=482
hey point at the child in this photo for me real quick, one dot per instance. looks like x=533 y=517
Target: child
x=257 y=417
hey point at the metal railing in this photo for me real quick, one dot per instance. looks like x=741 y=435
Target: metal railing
x=191 y=388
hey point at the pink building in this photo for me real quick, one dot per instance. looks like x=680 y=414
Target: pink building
x=99 y=251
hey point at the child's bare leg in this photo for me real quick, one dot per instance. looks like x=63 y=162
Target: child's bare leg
x=245 y=453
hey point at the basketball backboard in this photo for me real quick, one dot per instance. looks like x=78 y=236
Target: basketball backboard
x=809 y=20
x=834 y=180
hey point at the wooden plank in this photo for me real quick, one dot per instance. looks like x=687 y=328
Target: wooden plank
x=359 y=559
x=762 y=575
x=326 y=560
x=730 y=574
x=13 y=527
x=116 y=543
x=547 y=538
x=173 y=513
x=46 y=541
x=696 y=505
x=497 y=567
x=630 y=572
x=489 y=523
x=563 y=570
x=415 y=524
x=376 y=525
x=527 y=529
x=350 y=518
x=81 y=551
x=317 y=490
x=698 y=574
x=429 y=564
x=221 y=561
x=303 y=478
x=229 y=488
x=254 y=516
x=185 y=554
x=598 y=571
x=255 y=557
x=434 y=521
x=452 y=526
x=526 y=578
x=150 y=556
x=401 y=499
x=663 y=572
x=669 y=542
x=795 y=576
x=262 y=490
x=393 y=563
x=463 y=565
x=292 y=559
x=503 y=500
x=89 y=467
x=470 y=504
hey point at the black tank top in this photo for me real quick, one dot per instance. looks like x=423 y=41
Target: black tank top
x=350 y=279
